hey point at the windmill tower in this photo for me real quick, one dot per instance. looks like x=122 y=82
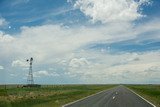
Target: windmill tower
x=30 y=80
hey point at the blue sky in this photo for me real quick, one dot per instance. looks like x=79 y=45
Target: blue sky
x=78 y=41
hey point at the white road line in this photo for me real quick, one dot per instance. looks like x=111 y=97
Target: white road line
x=113 y=97
x=142 y=97
x=86 y=97
x=116 y=93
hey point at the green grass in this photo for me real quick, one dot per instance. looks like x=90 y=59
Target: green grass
x=150 y=92
x=3 y=92
x=52 y=95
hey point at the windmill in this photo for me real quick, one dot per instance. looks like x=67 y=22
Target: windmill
x=30 y=80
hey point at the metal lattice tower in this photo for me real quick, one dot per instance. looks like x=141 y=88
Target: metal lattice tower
x=30 y=74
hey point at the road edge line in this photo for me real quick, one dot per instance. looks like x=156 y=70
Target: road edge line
x=85 y=97
x=141 y=97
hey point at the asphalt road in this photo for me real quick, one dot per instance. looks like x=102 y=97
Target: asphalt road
x=117 y=97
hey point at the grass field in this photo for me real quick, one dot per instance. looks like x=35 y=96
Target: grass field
x=149 y=92
x=58 y=95
x=46 y=96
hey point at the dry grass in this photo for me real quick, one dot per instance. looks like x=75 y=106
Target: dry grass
x=47 y=96
x=150 y=92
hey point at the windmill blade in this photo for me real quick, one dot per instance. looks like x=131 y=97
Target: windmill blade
x=31 y=59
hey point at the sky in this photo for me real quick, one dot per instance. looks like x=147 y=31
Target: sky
x=80 y=41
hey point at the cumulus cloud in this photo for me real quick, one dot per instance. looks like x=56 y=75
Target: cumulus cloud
x=44 y=42
x=78 y=62
x=44 y=73
x=19 y=63
x=153 y=69
x=50 y=44
x=1 y=67
x=111 y=10
x=4 y=38
x=101 y=67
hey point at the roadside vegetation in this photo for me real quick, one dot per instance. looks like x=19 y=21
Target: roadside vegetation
x=47 y=95
x=149 y=92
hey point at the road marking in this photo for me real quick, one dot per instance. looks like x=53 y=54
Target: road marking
x=142 y=97
x=113 y=97
x=116 y=93
x=86 y=97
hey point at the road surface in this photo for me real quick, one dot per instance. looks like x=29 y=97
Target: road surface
x=117 y=97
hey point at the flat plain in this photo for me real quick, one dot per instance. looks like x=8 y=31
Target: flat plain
x=58 y=95
x=47 y=95
x=149 y=92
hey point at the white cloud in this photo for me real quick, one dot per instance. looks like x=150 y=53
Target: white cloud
x=52 y=41
x=111 y=10
x=20 y=63
x=49 y=41
x=153 y=69
x=13 y=75
x=5 y=38
x=69 y=1
x=50 y=44
x=152 y=26
x=19 y=2
x=106 y=70
x=3 y=22
x=76 y=63
x=44 y=73
x=1 y=67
